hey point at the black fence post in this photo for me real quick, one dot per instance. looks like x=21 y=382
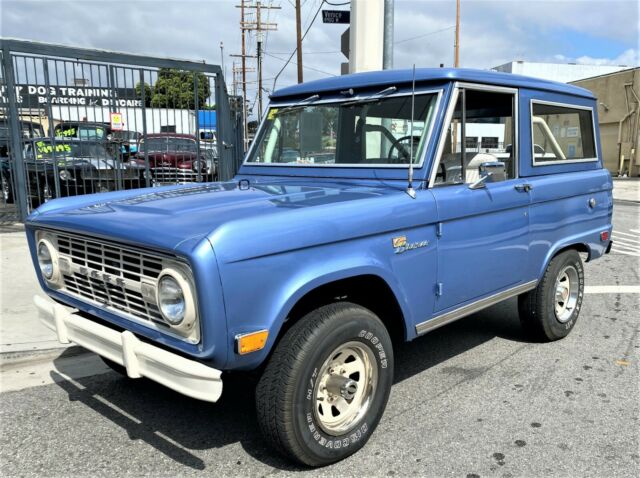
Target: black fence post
x=196 y=107
x=143 y=96
x=18 y=169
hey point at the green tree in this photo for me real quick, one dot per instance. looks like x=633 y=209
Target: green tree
x=147 y=93
x=175 y=89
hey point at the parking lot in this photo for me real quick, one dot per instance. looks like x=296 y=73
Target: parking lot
x=474 y=398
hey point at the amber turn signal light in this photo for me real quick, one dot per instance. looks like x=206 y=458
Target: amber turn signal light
x=252 y=342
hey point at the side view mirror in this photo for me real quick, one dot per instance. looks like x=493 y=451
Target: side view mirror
x=491 y=172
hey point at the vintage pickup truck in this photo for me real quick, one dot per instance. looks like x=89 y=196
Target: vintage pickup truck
x=384 y=223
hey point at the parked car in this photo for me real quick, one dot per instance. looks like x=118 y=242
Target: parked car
x=70 y=167
x=29 y=129
x=305 y=271
x=129 y=142
x=174 y=159
x=83 y=130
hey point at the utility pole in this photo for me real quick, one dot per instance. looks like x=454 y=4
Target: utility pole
x=387 y=48
x=456 y=61
x=299 y=41
x=258 y=26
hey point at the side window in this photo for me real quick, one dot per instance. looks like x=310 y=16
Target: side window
x=561 y=133
x=478 y=114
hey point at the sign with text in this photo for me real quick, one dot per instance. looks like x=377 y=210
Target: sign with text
x=35 y=96
x=117 y=123
x=336 y=16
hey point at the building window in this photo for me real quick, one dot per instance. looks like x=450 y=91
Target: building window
x=471 y=142
x=490 y=142
x=561 y=133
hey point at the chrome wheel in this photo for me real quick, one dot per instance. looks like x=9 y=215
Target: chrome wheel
x=6 y=189
x=566 y=297
x=346 y=385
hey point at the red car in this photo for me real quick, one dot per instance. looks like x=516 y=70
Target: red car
x=173 y=159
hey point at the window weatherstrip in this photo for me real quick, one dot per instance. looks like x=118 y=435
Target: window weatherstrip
x=565 y=161
x=260 y=131
x=449 y=115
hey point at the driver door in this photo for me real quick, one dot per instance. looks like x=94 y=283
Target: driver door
x=483 y=222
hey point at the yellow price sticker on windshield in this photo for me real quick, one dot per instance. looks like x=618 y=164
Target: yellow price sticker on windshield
x=272 y=113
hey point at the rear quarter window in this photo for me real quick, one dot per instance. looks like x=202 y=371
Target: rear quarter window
x=561 y=133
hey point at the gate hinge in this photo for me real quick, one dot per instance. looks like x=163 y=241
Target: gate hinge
x=439 y=288
x=439 y=229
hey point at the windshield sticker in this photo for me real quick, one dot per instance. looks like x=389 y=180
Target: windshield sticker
x=66 y=132
x=272 y=113
x=44 y=148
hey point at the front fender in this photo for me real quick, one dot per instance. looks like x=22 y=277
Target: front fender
x=260 y=293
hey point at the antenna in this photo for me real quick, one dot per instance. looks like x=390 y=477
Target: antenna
x=410 y=191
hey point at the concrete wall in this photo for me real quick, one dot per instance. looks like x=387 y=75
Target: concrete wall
x=616 y=98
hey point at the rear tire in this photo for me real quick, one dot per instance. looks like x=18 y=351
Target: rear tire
x=326 y=385
x=550 y=311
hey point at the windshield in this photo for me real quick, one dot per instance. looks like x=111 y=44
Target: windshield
x=170 y=145
x=80 y=131
x=368 y=132
x=77 y=149
x=125 y=135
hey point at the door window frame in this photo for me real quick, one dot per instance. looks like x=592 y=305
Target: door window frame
x=562 y=161
x=457 y=91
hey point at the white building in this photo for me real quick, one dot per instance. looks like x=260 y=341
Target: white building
x=563 y=72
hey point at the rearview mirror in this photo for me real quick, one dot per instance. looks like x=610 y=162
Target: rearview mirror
x=494 y=171
x=490 y=172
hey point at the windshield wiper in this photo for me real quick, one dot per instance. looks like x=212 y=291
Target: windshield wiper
x=306 y=101
x=373 y=98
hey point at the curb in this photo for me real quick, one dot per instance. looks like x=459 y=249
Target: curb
x=629 y=202
x=13 y=358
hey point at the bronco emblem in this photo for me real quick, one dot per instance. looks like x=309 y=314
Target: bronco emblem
x=401 y=245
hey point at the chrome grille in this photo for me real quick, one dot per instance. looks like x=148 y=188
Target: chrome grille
x=109 y=258
x=110 y=275
x=175 y=175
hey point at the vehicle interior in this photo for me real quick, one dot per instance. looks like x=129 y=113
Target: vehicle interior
x=477 y=110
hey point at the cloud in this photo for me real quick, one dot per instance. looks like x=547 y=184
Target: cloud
x=493 y=32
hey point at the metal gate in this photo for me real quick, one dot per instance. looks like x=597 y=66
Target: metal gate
x=76 y=121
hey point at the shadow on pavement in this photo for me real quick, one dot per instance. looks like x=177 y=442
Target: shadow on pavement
x=178 y=426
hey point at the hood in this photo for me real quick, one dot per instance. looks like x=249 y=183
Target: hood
x=165 y=217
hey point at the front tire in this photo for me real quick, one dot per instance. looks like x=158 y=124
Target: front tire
x=550 y=311
x=326 y=385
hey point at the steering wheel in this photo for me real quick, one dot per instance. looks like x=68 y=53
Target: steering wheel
x=537 y=149
x=403 y=150
x=443 y=172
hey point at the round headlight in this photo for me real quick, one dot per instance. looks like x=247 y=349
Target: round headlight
x=45 y=260
x=171 y=300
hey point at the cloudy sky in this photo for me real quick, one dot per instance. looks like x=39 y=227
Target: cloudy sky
x=492 y=32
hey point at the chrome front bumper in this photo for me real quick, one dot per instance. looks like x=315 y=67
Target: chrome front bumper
x=140 y=359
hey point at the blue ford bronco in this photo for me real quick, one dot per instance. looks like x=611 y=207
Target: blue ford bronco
x=371 y=209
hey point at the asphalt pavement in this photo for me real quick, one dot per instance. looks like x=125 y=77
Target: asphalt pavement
x=474 y=398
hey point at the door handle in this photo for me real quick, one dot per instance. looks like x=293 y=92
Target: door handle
x=523 y=188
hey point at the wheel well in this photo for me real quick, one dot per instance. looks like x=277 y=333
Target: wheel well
x=369 y=291
x=580 y=247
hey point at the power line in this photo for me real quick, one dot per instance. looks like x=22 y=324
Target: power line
x=424 y=35
x=294 y=63
x=306 y=52
x=296 y=49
